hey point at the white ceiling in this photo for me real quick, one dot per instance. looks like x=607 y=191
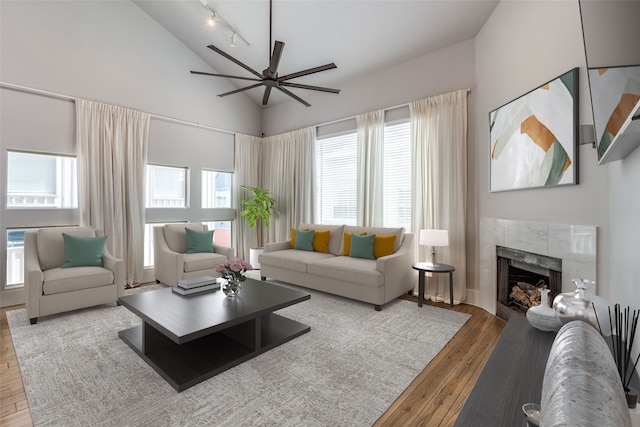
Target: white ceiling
x=357 y=35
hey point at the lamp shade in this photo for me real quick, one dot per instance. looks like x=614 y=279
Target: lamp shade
x=434 y=237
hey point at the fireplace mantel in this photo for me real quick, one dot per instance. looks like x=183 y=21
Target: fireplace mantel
x=575 y=245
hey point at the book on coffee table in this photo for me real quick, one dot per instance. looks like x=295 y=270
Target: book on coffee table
x=196 y=282
x=182 y=291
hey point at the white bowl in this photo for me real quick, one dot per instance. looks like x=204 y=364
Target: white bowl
x=532 y=411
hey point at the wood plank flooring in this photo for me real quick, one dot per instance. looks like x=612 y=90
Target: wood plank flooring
x=434 y=398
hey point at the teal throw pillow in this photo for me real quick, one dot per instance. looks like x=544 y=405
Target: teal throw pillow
x=199 y=241
x=362 y=246
x=83 y=251
x=304 y=240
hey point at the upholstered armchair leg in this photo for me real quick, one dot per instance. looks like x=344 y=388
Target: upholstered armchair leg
x=377 y=307
x=263 y=278
x=157 y=281
x=33 y=320
x=410 y=293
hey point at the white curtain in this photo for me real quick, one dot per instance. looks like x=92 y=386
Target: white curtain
x=370 y=168
x=247 y=172
x=112 y=153
x=289 y=174
x=439 y=187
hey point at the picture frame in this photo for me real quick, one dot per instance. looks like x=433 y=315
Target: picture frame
x=534 y=138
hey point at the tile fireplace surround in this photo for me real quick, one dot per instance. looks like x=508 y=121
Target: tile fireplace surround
x=575 y=245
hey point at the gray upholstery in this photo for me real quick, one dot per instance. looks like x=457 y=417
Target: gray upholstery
x=374 y=281
x=51 y=289
x=172 y=263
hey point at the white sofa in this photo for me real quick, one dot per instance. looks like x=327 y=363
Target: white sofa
x=375 y=281
x=171 y=260
x=51 y=289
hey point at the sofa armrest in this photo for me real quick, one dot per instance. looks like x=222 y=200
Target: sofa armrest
x=168 y=265
x=278 y=246
x=115 y=265
x=399 y=277
x=33 y=275
x=225 y=250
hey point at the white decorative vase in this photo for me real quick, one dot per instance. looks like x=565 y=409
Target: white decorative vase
x=253 y=257
x=542 y=316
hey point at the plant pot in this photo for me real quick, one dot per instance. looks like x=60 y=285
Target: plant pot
x=253 y=257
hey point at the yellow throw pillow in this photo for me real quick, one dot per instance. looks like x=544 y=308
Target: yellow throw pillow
x=321 y=241
x=293 y=238
x=383 y=245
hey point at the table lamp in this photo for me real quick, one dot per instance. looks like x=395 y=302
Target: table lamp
x=434 y=238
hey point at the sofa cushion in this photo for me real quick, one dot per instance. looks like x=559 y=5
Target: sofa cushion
x=202 y=261
x=398 y=232
x=58 y=280
x=176 y=237
x=304 y=240
x=357 y=270
x=51 y=244
x=292 y=259
x=362 y=246
x=335 y=241
x=199 y=241
x=83 y=251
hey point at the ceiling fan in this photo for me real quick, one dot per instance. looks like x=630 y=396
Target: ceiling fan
x=269 y=77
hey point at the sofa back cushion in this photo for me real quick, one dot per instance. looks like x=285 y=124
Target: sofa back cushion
x=335 y=240
x=51 y=244
x=398 y=232
x=176 y=237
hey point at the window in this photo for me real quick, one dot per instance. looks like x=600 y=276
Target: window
x=336 y=173
x=41 y=181
x=166 y=187
x=336 y=179
x=216 y=189
x=397 y=176
x=15 y=256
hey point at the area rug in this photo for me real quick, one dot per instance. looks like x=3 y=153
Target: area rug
x=346 y=371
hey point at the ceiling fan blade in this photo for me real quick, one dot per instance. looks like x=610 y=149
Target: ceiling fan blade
x=240 y=90
x=278 y=47
x=265 y=97
x=307 y=72
x=232 y=59
x=294 y=96
x=226 y=76
x=300 y=86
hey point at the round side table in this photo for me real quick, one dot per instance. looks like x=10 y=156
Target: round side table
x=424 y=267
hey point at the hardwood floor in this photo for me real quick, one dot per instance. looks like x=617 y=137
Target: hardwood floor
x=434 y=398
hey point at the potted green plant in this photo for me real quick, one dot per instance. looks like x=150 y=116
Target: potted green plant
x=258 y=209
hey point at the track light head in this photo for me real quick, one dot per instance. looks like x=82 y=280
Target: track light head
x=212 y=19
x=233 y=40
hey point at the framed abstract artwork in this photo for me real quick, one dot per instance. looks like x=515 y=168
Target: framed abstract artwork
x=534 y=138
x=615 y=98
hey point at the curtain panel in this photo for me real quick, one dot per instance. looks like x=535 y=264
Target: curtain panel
x=247 y=172
x=289 y=174
x=112 y=146
x=439 y=186
x=370 y=168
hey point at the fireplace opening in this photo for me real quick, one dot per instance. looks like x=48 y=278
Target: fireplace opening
x=520 y=276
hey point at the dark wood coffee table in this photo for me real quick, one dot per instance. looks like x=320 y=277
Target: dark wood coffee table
x=188 y=339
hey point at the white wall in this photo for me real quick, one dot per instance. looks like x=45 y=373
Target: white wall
x=522 y=45
x=111 y=51
x=432 y=74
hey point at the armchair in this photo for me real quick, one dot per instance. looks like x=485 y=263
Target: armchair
x=171 y=260
x=51 y=289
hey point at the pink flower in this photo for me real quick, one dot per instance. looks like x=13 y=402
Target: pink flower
x=220 y=268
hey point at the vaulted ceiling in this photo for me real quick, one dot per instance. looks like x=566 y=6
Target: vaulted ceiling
x=357 y=35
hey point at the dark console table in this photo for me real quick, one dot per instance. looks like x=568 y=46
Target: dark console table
x=512 y=377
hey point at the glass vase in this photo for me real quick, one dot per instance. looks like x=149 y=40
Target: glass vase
x=231 y=287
